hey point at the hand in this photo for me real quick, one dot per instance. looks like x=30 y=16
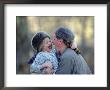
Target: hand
x=47 y=64
x=48 y=71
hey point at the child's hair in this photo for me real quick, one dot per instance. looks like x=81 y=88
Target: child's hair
x=31 y=60
x=36 y=43
x=38 y=39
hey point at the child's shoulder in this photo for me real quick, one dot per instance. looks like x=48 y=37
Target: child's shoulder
x=43 y=54
x=53 y=50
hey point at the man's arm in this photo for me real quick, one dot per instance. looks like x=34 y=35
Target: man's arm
x=81 y=66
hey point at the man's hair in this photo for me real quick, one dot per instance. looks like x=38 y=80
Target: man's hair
x=66 y=35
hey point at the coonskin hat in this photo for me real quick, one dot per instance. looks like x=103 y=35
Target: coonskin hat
x=65 y=34
x=38 y=38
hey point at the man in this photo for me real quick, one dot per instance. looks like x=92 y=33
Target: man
x=70 y=62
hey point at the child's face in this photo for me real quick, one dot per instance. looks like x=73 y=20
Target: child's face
x=47 y=45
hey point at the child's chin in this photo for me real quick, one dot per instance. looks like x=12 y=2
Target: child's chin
x=49 y=50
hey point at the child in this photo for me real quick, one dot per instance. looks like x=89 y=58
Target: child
x=45 y=55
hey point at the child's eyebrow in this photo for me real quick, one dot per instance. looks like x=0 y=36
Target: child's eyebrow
x=47 y=41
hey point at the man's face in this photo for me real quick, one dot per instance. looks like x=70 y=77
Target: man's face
x=55 y=41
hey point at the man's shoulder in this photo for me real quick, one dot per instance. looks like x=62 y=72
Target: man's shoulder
x=69 y=53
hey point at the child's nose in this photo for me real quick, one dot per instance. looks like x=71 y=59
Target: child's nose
x=51 y=41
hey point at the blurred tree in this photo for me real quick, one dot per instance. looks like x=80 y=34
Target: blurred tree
x=22 y=44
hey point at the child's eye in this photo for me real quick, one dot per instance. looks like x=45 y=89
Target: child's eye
x=47 y=42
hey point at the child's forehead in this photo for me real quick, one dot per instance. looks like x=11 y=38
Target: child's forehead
x=46 y=40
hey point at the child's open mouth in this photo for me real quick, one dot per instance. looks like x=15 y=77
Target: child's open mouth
x=50 y=47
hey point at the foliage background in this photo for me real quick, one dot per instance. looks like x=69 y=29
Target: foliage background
x=27 y=26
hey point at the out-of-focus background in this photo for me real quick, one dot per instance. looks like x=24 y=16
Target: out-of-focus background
x=27 y=26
